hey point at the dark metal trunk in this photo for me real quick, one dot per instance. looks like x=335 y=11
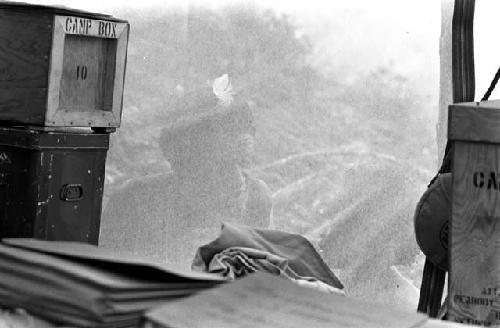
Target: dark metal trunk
x=51 y=184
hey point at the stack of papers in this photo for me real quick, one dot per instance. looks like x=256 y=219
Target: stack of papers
x=85 y=286
x=266 y=301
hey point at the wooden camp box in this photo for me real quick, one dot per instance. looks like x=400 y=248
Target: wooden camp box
x=61 y=67
x=474 y=277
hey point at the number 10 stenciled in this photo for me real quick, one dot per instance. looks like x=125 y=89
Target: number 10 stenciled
x=81 y=72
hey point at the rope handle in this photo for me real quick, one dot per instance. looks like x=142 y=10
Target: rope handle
x=492 y=86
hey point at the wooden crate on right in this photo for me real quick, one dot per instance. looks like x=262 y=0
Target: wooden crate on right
x=474 y=277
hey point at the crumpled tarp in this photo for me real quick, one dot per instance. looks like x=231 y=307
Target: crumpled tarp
x=239 y=251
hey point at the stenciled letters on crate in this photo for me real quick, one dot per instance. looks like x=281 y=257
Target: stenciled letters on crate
x=474 y=280
x=87 y=69
x=61 y=67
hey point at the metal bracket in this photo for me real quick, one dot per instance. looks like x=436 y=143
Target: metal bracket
x=71 y=192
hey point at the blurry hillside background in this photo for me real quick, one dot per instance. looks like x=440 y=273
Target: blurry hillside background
x=345 y=104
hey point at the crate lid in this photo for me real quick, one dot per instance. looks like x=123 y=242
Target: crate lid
x=52 y=139
x=475 y=121
x=56 y=10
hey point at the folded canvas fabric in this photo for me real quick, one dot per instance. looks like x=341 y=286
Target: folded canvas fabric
x=241 y=250
x=84 y=286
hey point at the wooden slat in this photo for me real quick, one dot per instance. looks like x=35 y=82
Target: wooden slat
x=119 y=80
x=34 y=9
x=445 y=77
x=478 y=122
x=475 y=230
